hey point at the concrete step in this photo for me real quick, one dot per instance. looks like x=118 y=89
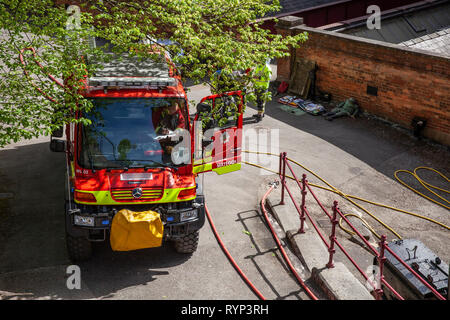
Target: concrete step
x=338 y=283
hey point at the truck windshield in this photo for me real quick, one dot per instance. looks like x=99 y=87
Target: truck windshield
x=128 y=132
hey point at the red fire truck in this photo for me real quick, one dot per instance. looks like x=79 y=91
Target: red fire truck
x=144 y=151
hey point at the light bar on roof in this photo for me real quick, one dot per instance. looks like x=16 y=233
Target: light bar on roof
x=132 y=83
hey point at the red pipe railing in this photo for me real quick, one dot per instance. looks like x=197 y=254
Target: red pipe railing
x=303 y=207
x=334 y=222
x=302 y=211
x=374 y=251
x=380 y=255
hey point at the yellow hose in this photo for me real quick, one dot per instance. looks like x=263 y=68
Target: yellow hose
x=363 y=221
x=426 y=185
x=345 y=197
x=350 y=197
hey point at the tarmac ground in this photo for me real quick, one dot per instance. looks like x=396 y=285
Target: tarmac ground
x=358 y=156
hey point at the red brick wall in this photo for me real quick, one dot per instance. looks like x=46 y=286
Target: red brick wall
x=410 y=83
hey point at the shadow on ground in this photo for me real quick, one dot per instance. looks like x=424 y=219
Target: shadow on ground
x=385 y=147
x=32 y=234
x=266 y=248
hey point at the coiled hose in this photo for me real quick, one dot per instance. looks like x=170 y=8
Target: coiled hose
x=426 y=185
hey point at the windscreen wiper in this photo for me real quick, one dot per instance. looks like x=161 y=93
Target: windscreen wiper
x=112 y=144
x=108 y=169
x=146 y=167
x=124 y=168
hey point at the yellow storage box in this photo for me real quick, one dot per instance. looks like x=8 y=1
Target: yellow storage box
x=136 y=230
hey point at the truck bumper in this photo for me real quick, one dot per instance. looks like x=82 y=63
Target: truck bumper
x=95 y=226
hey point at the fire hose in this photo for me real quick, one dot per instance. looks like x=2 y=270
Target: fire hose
x=337 y=191
x=350 y=198
x=280 y=246
x=277 y=240
x=426 y=185
x=227 y=253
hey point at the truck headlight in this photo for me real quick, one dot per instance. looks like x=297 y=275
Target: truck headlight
x=188 y=215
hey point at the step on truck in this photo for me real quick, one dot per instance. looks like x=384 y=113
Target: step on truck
x=144 y=151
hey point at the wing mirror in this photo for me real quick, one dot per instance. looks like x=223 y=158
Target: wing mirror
x=58 y=133
x=57 y=145
x=203 y=107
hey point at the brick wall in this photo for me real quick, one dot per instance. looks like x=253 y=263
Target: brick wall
x=410 y=82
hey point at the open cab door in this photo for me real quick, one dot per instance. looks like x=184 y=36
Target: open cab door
x=218 y=133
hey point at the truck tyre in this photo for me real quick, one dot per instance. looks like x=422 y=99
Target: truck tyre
x=78 y=248
x=187 y=243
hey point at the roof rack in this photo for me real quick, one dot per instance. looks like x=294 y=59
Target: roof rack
x=131 y=82
x=132 y=71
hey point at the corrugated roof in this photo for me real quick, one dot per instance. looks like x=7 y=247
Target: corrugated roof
x=409 y=25
x=438 y=42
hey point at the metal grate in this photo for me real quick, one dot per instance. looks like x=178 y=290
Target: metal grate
x=126 y=194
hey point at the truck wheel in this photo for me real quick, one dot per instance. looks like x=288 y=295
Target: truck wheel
x=187 y=244
x=78 y=248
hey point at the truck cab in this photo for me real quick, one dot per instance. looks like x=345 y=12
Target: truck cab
x=144 y=151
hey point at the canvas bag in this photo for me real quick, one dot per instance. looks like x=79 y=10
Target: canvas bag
x=136 y=230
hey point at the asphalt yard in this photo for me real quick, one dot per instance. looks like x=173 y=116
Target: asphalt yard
x=359 y=156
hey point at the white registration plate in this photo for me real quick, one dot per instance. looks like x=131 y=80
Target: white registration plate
x=84 y=221
x=188 y=215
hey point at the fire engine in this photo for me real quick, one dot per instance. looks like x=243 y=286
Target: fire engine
x=144 y=151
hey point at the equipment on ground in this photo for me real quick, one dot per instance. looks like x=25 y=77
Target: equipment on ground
x=302 y=78
x=423 y=261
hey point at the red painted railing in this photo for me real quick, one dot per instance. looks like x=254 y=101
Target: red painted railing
x=383 y=245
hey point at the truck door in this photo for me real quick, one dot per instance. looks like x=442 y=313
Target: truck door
x=217 y=133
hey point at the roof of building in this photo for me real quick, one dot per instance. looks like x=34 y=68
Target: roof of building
x=406 y=25
x=292 y=6
x=438 y=42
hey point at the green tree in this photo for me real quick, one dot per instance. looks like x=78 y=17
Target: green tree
x=205 y=35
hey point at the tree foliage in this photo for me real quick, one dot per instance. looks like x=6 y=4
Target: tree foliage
x=204 y=36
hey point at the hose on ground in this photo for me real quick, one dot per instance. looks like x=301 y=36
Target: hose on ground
x=346 y=197
x=239 y=270
x=280 y=246
x=425 y=184
x=349 y=198
x=230 y=258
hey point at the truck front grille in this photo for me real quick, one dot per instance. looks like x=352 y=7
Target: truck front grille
x=148 y=194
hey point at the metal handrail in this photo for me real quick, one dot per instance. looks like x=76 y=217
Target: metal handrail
x=374 y=251
x=303 y=210
x=380 y=256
